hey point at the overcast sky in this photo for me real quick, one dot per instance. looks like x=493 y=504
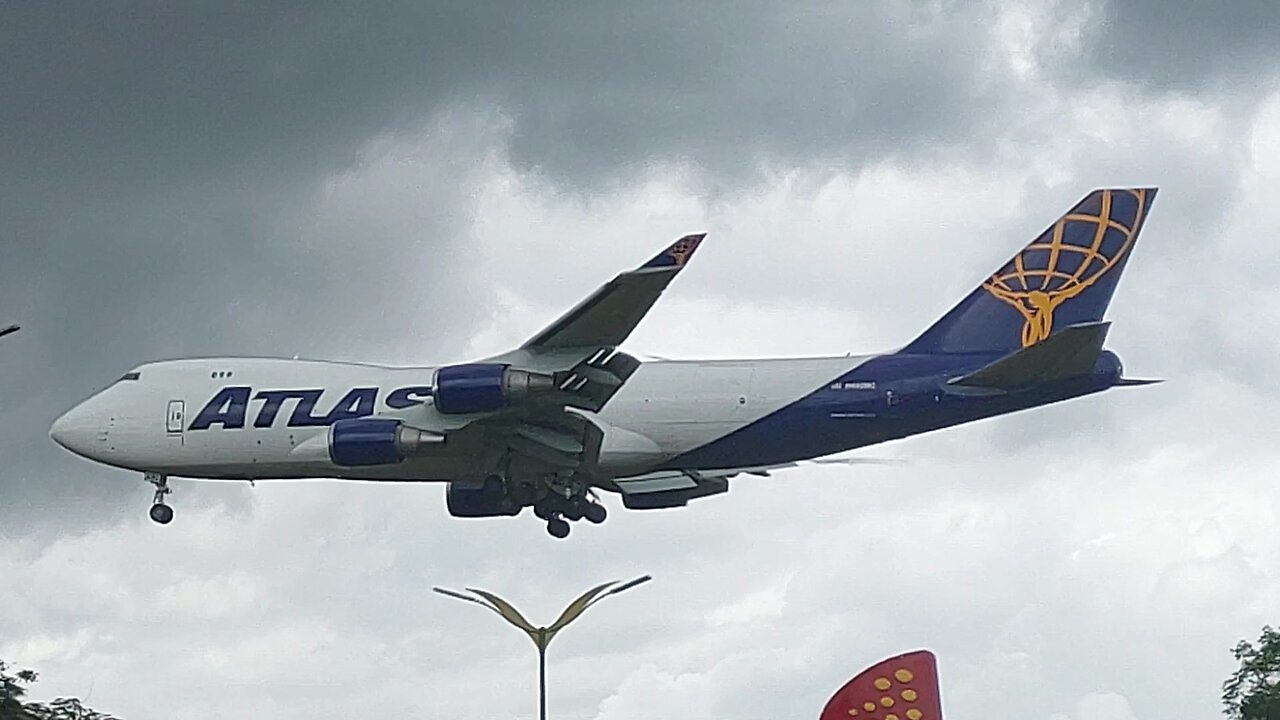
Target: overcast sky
x=432 y=182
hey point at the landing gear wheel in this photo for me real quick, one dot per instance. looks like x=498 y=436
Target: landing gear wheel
x=573 y=512
x=161 y=513
x=595 y=513
x=558 y=528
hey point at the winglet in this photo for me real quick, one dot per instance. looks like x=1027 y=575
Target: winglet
x=609 y=315
x=677 y=255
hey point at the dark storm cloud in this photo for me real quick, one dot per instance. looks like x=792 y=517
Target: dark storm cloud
x=152 y=94
x=1186 y=45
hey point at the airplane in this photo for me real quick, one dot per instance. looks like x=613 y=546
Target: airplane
x=567 y=415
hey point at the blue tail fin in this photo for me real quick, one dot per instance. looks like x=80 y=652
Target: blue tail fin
x=1066 y=276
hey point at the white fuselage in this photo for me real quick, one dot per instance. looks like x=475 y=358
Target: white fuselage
x=150 y=420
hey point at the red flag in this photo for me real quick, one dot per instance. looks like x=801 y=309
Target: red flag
x=900 y=688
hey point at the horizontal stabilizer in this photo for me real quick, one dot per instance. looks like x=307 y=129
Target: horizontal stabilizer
x=1136 y=382
x=1070 y=352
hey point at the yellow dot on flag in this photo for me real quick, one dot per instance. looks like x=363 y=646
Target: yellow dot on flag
x=890 y=716
x=853 y=712
x=909 y=695
x=886 y=701
x=882 y=683
x=904 y=675
x=914 y=714
x=869 y=707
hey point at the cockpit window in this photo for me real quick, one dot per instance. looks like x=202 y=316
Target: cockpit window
x=131 y=376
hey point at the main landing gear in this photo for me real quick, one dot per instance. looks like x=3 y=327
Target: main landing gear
x=561 y=509
x=160 y=512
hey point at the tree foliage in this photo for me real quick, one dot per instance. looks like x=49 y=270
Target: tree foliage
x=1253 y=691
x=64 y=709
x=13 y=690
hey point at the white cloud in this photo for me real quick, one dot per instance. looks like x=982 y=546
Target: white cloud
x=1101 y=706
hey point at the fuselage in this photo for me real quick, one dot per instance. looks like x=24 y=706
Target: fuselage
x=260 y=419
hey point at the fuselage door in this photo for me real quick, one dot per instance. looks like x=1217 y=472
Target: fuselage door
x=176 y=418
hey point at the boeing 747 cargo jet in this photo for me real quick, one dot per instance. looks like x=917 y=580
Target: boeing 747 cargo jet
x=567 y=414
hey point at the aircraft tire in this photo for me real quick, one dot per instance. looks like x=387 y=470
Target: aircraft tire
x=595 y=513
x=558 y=528
x=161 y=513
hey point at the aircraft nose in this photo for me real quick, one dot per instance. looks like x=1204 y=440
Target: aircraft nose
x=73 y=431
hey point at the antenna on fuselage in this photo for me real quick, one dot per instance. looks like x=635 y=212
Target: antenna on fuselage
x=10 y=330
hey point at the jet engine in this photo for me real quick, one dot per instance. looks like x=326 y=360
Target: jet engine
x=485 y=387
x=489 y=499
x=375 y=441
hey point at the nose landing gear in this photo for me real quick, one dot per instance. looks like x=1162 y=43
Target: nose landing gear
x=160 y=512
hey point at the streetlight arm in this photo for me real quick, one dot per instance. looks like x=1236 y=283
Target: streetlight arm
x=630 y=584
x=624 y=586
x=591 y=597
x=477 y=601
x=577 y=607
x=542 y=636
x=455 y=594
x=507 y=611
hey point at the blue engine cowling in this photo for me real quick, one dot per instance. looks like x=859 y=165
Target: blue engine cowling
x=485 y=387
x=375 y=441
x=489 y=499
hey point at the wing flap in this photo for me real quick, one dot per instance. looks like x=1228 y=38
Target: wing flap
x=656 y=482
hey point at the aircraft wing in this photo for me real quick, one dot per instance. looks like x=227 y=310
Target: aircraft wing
x=579 y=353
x=580 y=348
x=608 y=316
x=675 y=488
x=9 y=330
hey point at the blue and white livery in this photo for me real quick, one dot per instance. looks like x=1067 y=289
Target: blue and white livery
x=567 y=414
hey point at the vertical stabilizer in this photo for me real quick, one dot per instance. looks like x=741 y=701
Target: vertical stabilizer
x=1065 y=277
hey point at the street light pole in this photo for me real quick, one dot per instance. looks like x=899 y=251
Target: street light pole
x=541 y=636
x=542 y=675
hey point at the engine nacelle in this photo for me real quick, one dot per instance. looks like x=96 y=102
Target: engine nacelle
x=487 y=500
x=485 y=387
x=375 y=441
